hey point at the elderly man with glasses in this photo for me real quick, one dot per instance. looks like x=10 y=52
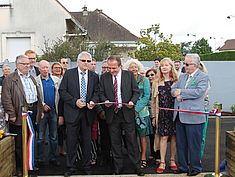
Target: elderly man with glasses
x=79 y=91
x=189 y=91
x=19 y=90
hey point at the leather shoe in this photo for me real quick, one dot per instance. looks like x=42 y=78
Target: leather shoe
x=139 y=172
x=70 y=172
x=193 y=173
x=87 y=172
x=179 y=171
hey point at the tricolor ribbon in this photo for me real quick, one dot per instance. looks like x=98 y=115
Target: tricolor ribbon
x=31 y=139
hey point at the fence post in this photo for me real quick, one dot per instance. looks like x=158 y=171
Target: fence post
x=24 y=142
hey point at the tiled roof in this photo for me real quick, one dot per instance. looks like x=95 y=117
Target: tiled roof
x=101 y=27
x=228 y=45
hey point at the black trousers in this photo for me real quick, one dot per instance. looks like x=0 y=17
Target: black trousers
x=105 y=143
x=115 y=129
x=79 y=129
x=18 y=144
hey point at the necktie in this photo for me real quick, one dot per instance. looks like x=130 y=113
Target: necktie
x=188 y=81
x=115 y=85
x=83 y=87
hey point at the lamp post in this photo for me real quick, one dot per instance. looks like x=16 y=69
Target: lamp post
x=214 y=42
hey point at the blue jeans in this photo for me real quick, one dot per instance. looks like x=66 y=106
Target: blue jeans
x=50 y=119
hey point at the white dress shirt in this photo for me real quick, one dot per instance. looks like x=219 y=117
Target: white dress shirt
x=119 y=93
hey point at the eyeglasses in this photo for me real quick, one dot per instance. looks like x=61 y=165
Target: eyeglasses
x=88 y=61
x=65 y=62
x=104 y=67
x=188 y=64
x=32 y=58
x=25 y=64
x=150 y=75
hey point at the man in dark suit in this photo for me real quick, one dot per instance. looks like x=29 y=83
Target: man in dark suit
x=119 y=86
x=33 y=70
x=79 y=91
x=189 y=91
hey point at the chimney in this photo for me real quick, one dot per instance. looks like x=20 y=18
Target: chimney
x=84 y=12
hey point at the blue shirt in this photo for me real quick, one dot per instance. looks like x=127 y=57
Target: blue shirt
x=49 y=91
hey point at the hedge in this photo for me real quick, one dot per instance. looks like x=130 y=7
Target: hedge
x=219 y=56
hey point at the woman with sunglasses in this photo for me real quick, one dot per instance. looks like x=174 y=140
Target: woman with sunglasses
x=143 y=122
x=151 y=74
x=161 y=97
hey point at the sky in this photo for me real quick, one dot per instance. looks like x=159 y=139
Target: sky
x=198 y=18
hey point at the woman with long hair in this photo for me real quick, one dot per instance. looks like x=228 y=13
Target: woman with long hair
x=161 y=97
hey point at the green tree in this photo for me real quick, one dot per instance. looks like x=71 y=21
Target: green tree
x=152 y=43
x=54 y=50
x=186 y=47
x=201 y=47
x=102 y=50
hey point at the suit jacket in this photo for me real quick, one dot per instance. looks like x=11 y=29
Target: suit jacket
x=70 y=92
x=192 y=97
x=129 y=92
x=56 y=81
x=37 y=70
x=13 y=97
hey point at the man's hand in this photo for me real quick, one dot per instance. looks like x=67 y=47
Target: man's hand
x=91 y=105
x=46 y=108
x=130 y=105
x=80 y=103
x=12 y=119
x=102 y=115
x=179 y=98
x=107 y=105
x=177 y=92
x=42 y=115
x=60 y=120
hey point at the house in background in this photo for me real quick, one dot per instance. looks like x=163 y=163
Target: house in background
x=229 y=45
x=101 y=27
x=26 y=24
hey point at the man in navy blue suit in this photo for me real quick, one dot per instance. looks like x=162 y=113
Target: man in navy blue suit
x=79 y=91
x=189 y=91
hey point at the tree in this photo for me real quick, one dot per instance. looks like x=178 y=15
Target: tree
x=186 y=47
x=201 y=47
x=70 y=48
x=102 y=50
x=149 y=48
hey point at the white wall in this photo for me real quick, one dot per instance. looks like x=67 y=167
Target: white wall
x=32 y=18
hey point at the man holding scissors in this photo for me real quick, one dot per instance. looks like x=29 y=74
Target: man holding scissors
x=120 y=87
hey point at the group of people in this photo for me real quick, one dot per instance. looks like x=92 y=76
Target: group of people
x=123 y=104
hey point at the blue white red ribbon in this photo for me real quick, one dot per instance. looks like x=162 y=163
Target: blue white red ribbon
x=31 y=139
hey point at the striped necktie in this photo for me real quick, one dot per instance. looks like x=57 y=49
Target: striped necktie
x=115 y=85
x=83 y=87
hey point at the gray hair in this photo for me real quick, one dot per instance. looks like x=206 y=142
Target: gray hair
x=84 y=54
x=195 y=58
x=43 y=61
x=5 y=66
x=19 y=57
x=133 y=61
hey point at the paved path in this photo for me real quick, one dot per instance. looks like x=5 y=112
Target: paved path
x=227 y=124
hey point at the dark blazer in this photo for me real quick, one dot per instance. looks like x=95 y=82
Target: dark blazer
x=70 y=92
x=37 y=70
x=129 y=92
